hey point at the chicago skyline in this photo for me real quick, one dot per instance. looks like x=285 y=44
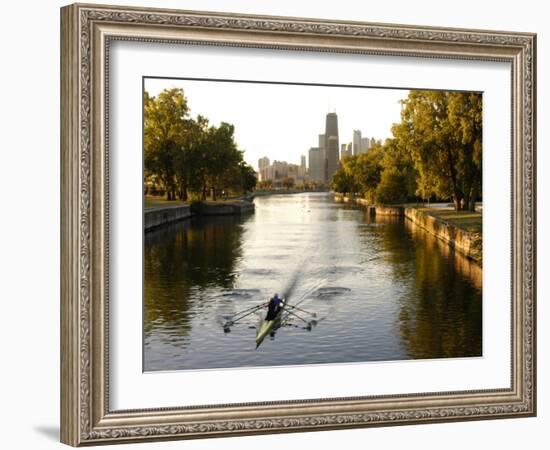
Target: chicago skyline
x=270 y=119
x=323 y=160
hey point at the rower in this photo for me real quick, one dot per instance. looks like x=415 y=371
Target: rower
x=273 y=307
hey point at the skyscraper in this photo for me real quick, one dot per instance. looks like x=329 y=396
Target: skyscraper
x=332 y=147
x=280 y=170
x=263 y=168
x=316 y=164
x=303 y=167
x=365 y=144
x=356 y=142
x=346 y=150
x=263 y=162
x=322 y=142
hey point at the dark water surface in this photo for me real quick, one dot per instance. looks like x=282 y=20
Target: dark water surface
x=382 y=289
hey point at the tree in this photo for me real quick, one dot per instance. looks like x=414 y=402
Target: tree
x=344 y=179
x=391 y=188
x=465 y=118
x=288 y=182
x=398 y=176
x=442 y=133
x=185 y=155
x=189 y=164
x=221 y=156
x=368 y=171
x=265 y=184
x=164 y=131
x=248 y=177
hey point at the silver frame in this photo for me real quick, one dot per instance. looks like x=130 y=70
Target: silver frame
x=86 y=32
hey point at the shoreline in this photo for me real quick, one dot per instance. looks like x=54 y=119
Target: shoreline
x=285 y=192
x=465 y=242
x=164 y=212
x=155 y=217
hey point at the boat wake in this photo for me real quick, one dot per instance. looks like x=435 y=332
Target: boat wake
x=332 y=291
x=241 y=293
x=344 y=269
x=260 y=272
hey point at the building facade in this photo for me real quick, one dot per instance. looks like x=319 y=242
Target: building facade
x=356 y=142
x=316 y=165
x=332 y=146
x=346 y=150
x=365 y=144
x=263 y=169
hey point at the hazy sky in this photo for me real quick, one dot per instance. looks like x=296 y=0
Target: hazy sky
x=283 y=121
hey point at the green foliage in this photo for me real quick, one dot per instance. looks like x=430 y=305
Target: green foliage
x=190 y=157
x=164 y=131
x=265 y=184
x=288 y=182
x=442 y=132
x=368 y=171
x=398 y=167
x=344 y=179
x=391 y=187
x=248 y=177
x=360 y=174
x=435 y=151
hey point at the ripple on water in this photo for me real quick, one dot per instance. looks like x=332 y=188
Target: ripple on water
x=240 y=293
x=378 y=291
x=330 y=291
x=344 y=269
x=259 y=271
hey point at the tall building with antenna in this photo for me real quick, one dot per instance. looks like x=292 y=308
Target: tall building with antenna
x=332 y=146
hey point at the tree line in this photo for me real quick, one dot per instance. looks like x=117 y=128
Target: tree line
x=435 y=152
x=185 y=155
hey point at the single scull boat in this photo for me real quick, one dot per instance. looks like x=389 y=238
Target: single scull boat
x=269 y=325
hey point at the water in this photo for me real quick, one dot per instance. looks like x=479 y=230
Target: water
x=381 y=288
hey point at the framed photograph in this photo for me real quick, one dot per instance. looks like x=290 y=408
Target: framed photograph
x=276 y=224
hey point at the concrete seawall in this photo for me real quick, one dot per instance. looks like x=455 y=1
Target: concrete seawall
x=156 y=217
x=346 y=199
x=397 y=211
x=222 y=209
x=469 y=244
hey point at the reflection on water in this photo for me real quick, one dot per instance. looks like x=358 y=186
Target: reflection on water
x=382 y=289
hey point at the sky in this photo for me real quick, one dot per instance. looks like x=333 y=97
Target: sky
x=282 y=122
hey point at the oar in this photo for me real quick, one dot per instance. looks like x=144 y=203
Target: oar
x=299 y=317
x=261 y=305
x=303 y=310
x=241 y=316
x=308 y=323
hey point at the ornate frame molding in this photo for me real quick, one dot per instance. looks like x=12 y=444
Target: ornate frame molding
x=86 y=31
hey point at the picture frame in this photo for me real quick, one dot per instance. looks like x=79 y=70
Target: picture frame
x=87 y=32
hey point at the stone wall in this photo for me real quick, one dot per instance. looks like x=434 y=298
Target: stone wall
x=389 y=210
x=222 y=208
x=156 y=217
x=469 y=244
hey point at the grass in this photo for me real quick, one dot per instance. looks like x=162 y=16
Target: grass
x=466 y=220
x=160 y=202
